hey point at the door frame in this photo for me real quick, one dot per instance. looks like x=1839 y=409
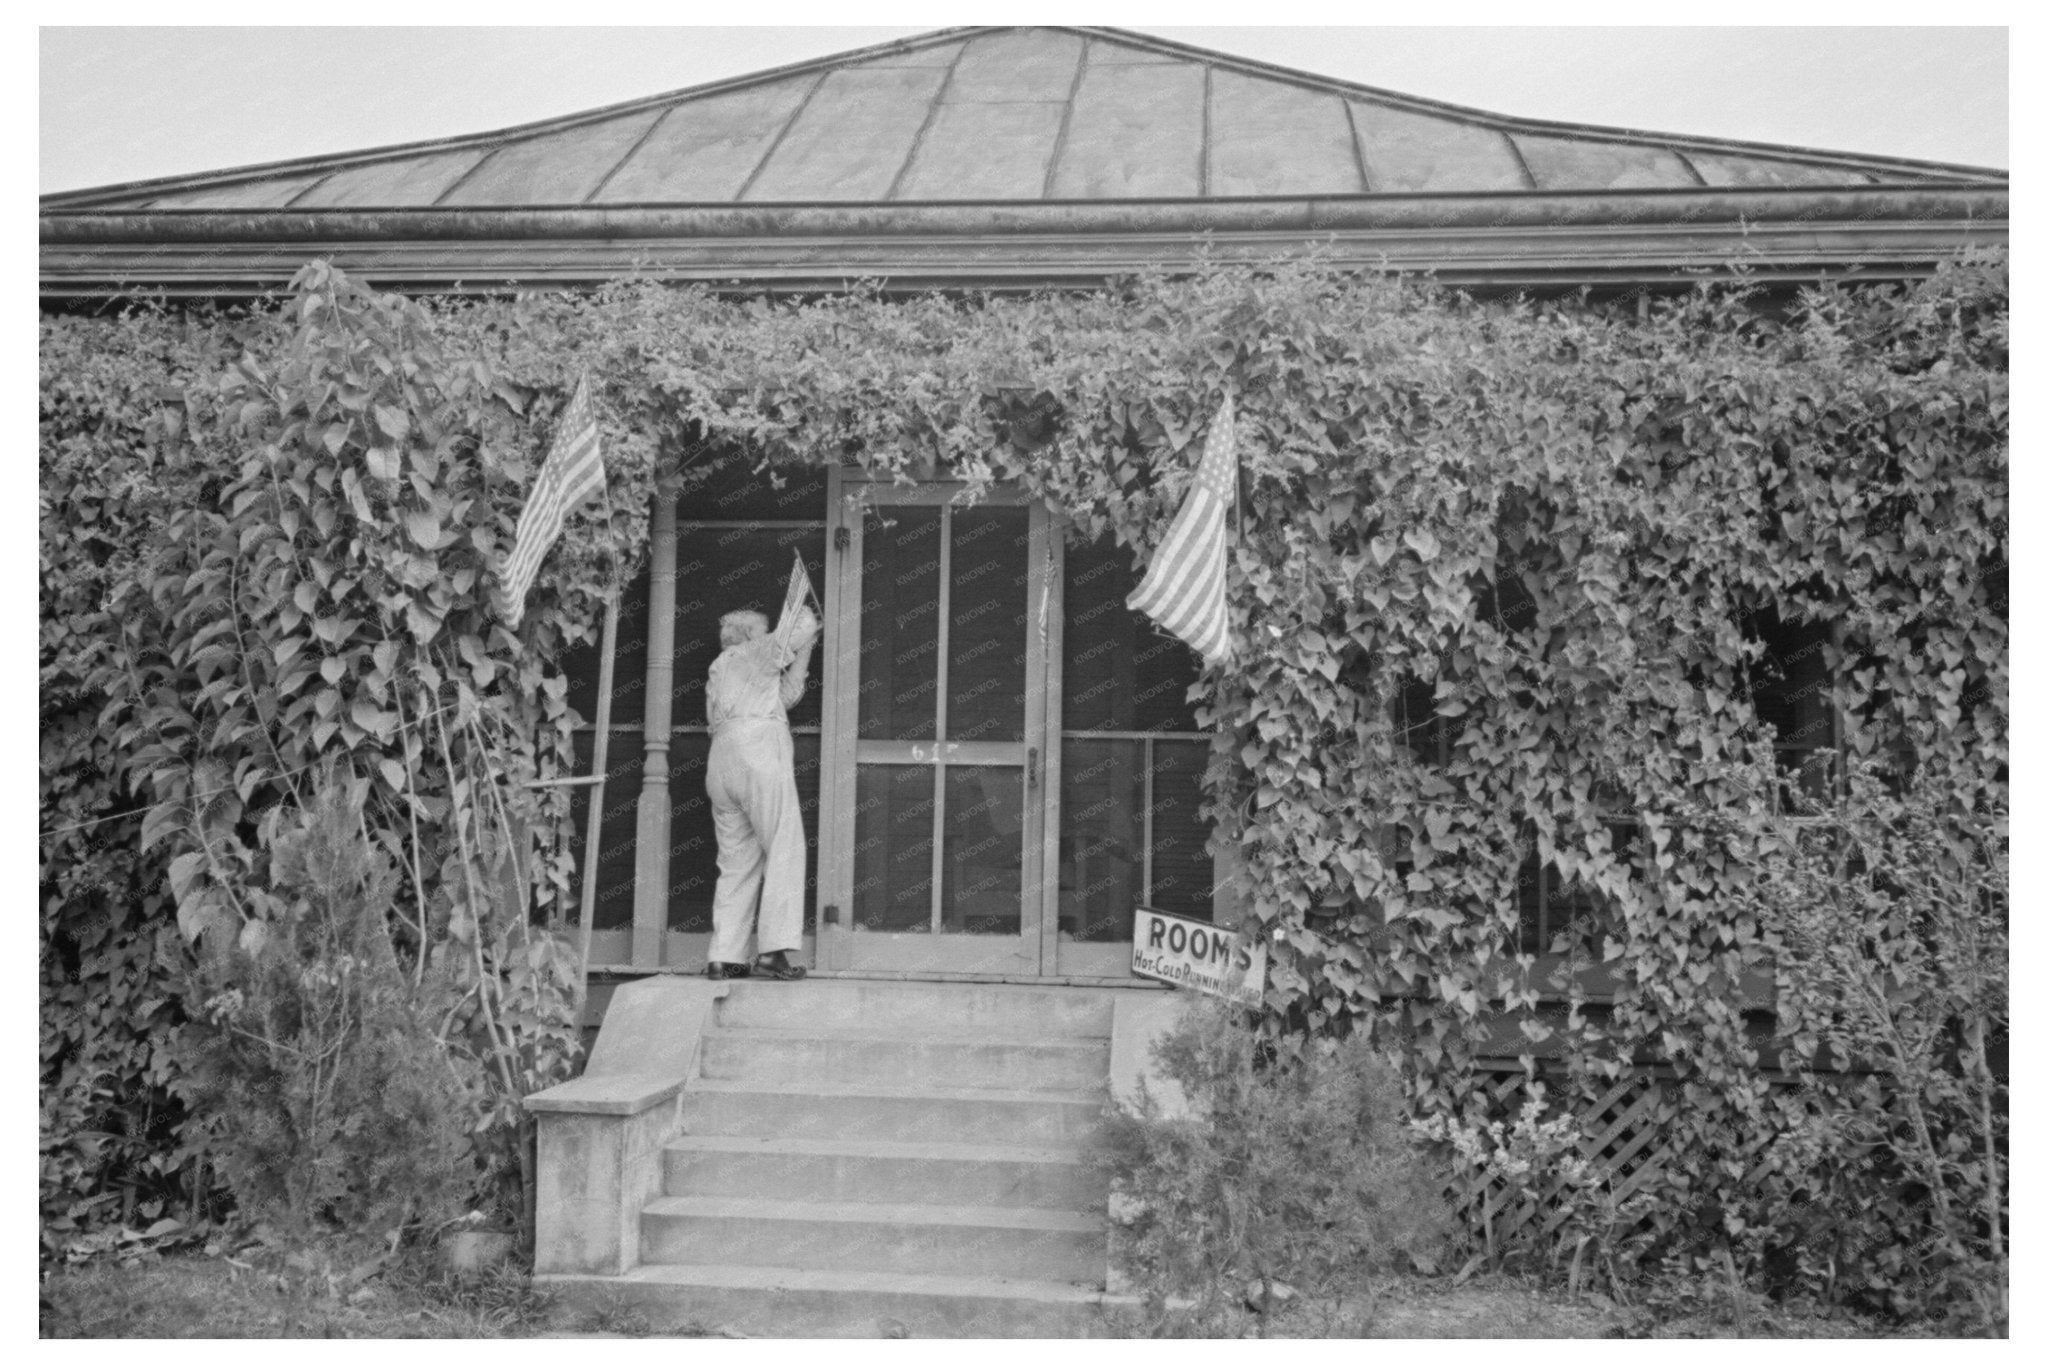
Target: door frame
x=1031 y=951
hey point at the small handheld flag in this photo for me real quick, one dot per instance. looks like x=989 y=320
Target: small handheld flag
x=572 y=472
x=798 y=592
x=1183 y=586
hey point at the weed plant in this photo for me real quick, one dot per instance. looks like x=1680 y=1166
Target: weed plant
x=330 y=1102
x=1282 y=1173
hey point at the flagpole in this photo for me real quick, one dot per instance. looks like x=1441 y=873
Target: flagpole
x=600 y=766
x=594 y=818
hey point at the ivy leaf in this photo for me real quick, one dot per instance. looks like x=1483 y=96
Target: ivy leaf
x=1423 y=541
x=370 y=718
x=425 y=529
x=185 y=869
x=394 y=774
x=163 y=818
x=393 y=422
x=383 y=463
x=423 y=624
x=353 y=487
x=197 y=913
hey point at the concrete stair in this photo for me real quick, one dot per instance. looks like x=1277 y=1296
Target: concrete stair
x=862 y=1158
x=887 y=1172
x=824 y=1109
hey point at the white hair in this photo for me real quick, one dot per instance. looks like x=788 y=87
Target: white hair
x=738 y=627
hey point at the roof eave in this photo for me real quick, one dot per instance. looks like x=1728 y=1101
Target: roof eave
x=1563 y=239
x=1307 y=213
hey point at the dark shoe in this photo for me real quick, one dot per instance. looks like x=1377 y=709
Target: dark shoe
x=777 y=967
x=726 y=971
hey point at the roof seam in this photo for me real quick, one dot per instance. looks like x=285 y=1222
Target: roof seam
x=1357 y=146
x=1686 y=162
x=620 y=164
x=931 y=116
x=775 y=145
x=317 y=183
x=462 y=179
x=1059 y=142
x=1515 y=150
x=1202 y=169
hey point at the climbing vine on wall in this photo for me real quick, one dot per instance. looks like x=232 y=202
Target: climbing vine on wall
x=1556 y=531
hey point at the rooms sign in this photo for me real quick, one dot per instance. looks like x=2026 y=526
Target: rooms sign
x=1187 y=952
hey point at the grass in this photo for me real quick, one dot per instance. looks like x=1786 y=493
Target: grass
x=1504 y=1307
x=193 y=1295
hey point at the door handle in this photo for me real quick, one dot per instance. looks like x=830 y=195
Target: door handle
x=1031 y=770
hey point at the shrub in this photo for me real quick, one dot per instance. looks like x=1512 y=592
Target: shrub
x=328 y=1099
x=1891 y=914
x=1291 y=1168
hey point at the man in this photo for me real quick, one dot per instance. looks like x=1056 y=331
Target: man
x=751 y=780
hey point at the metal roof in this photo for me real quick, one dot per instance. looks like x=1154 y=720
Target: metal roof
x=1010 y=114
x=1016 y=157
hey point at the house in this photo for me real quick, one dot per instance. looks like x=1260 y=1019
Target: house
x=997 y=759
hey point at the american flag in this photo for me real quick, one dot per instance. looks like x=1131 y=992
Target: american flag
x=1183 y=587
x=573 y=472
x=798 y=592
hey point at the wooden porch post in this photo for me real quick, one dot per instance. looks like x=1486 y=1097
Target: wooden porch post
x=651 y=821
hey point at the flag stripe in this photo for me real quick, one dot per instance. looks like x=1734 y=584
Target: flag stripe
x=572 y=473
x=1186 y=568
x=1182 y=552
x=1200 y=618
x=1184 y=586
x=1180 y=596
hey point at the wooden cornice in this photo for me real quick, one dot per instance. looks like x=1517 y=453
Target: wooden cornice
x=1562 y=240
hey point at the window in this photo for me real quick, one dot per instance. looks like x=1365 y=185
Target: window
x=1791 y=691
x=1550 y=908
x=1132 y=760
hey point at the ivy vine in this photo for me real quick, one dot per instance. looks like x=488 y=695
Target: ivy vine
x=1550 y=533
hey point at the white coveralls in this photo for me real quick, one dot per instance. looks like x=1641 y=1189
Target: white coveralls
x=751 y=780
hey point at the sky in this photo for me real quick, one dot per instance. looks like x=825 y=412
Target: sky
x=121 y=103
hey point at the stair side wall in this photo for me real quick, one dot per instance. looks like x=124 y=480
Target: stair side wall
x=596 y=1172
x=600 y=1137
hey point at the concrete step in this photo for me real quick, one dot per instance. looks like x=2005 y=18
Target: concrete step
x=881 y=1058
x=873 y=1172
x=890 y=1114
x=917 y=1239
x=945 y=1009
x=769 y=1301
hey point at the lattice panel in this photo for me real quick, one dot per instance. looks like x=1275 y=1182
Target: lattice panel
x=1624 y=1128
